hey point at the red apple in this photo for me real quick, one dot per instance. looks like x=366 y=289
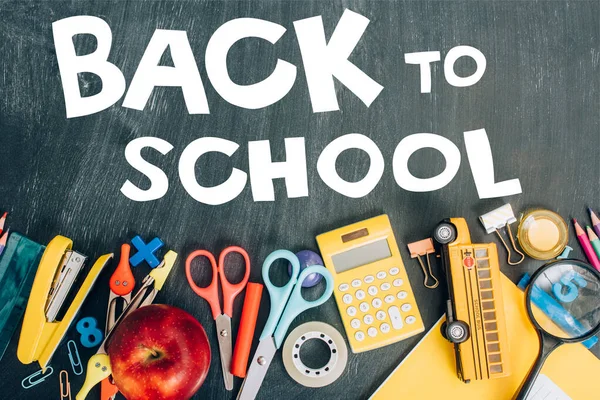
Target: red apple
x=159 y=352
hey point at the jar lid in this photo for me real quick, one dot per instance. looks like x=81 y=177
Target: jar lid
x=542 y=234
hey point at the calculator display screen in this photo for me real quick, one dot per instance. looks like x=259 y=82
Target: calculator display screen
x=361 y=255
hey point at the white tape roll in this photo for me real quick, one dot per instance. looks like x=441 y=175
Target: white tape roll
x=311 y=377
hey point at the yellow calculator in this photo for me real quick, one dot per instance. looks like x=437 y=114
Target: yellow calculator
x=372 y=290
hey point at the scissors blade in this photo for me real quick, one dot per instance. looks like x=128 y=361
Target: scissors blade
x=258 y=369
x=223 y=323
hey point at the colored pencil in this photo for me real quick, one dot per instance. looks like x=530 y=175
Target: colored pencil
x=2 y=220
x=586 y=245
x=595 y=221
x=594 y=240
x=3 y=240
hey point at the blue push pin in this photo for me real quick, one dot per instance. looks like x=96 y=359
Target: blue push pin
x=145 y=252
x=565 y=253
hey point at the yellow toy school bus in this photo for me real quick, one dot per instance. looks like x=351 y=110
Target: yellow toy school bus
x=475 y=312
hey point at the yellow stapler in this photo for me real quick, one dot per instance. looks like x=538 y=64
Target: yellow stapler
x=41 y=332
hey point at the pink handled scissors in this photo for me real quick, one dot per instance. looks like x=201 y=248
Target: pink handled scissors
x=210 y=293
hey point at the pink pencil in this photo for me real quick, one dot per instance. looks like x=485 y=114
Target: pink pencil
x=2 y=220
x=595 y=221
x=586 y=245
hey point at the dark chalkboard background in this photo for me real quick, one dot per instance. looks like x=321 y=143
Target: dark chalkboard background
x=538 y=101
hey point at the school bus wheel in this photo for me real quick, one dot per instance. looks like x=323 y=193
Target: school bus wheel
x=444 y=233
x=443 y=330
x=457 y=331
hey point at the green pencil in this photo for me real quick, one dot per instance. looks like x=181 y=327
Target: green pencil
x=594 y=240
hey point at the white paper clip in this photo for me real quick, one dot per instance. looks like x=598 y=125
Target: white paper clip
x=74 y=358
x=28 y=383
x=499 y=218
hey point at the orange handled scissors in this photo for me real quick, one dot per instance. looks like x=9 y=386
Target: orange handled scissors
x=210 y=293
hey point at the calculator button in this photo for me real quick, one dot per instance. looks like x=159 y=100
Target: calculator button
x=351 y=311
x=385 y=286
x=395 y=317
x=380 y=315
x=372 y=332
x=402 y=294
x=343 y=287
x=360 y=294
x=384 y=328
x=368 y=319
x=360 y=336
x=389 y=298
x=410 y=319
x=356 y=283
x=397 y=282
x=372 y=290
x=381 y=275
x=347 y=298
x=369 y=279
x=355 y=323
x=394 y=271
x=376 y=302
x=406 y=307
x=364 y=307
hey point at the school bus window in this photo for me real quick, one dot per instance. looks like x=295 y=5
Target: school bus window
x=483 y=263
x=485 y=284
x=487 y=295
x=495 y=358
x=484 y=274
x=496 y=369
x=492 y=337
x=494 y=347
x=489 y=315
x=491 y=326
x=488 y=305
x=481 y=253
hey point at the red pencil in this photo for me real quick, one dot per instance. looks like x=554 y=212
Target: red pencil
x=2 y=220
x=3 y=240
x=586 y=245
x=595 y=221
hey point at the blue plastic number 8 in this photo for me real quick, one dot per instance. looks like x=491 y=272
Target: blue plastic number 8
x=567 y=280
x=90 y=334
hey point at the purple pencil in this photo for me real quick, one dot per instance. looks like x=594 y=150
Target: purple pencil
x=595 y=221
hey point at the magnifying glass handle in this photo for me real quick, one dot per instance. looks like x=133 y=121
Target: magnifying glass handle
x=547 y=346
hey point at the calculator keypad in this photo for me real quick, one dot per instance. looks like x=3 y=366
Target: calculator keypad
x=382 y=312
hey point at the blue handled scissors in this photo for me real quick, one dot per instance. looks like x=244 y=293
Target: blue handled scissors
x=286 y=304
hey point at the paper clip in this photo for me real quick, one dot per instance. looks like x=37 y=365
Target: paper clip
x=28 y=383
x=65 y=385
x=502 y=217
x=424 y=248
x=565 y=253
x=74 y=358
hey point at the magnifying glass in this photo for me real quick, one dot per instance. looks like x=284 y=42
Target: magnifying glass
x=563 y=303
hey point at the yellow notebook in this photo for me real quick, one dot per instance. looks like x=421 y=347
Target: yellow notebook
x=429 y=370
